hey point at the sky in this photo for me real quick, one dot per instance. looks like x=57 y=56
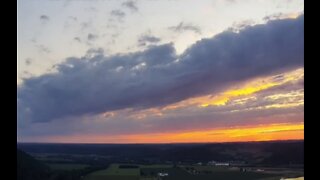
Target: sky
x=160 y=71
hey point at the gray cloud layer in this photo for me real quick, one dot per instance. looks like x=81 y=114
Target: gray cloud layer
x=182 y=119
x=157 y=76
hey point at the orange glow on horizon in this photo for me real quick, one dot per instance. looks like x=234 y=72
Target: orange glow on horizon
x=270 y=132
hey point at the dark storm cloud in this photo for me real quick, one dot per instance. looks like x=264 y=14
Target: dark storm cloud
x=158 y=76
x=147 y=39
x=185 y=27
x=132 y=5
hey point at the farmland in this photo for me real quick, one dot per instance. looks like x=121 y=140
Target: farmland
x=63 y=166
x=247 y=161
x=145 y=172
x=115 y=173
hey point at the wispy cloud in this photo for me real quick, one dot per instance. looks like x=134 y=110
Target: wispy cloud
x=146 y=39
x=42 y=48
x=44 y=18
x=118 y=14
x=238 y=26
x=132 y=5
x=282 y=16
x=92 y=37
x=73 y=18
x=77 y=39
x=185 y=27
x=28 y=61
x=85 y=25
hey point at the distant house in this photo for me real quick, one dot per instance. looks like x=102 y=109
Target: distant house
x=222 y=164
x=163 y=174
x=214 y=163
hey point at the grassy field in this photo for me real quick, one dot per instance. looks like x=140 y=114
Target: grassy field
x=110 y=177
x=205 y=173
x=209 y=168
x=52 y=159
x=115 y=173
x=177 y=174
x=156 y=166
x=150 y=172
x=63 y=166
x=115 y=170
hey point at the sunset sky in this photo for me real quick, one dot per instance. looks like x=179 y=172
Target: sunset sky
x=160 y=71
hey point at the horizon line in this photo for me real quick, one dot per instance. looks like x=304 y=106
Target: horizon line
x=106 y=143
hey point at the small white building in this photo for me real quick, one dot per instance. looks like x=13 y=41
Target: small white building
x=222 y=164
x=214 y=163
x=163 y=174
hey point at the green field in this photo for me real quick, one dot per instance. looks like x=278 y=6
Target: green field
x=111 y=177
x=115 y=170
x=64 y=166
x=205 y=173
x=150 y=172
x=115 y=173
x=177 y=174
x=210 y=168
x=53 y=159
x=156 y=166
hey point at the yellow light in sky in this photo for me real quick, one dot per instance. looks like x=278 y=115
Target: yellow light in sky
x=263 y=132
x=249 y=90
x=244 y=89
x=239 y=93
x=293 y=15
